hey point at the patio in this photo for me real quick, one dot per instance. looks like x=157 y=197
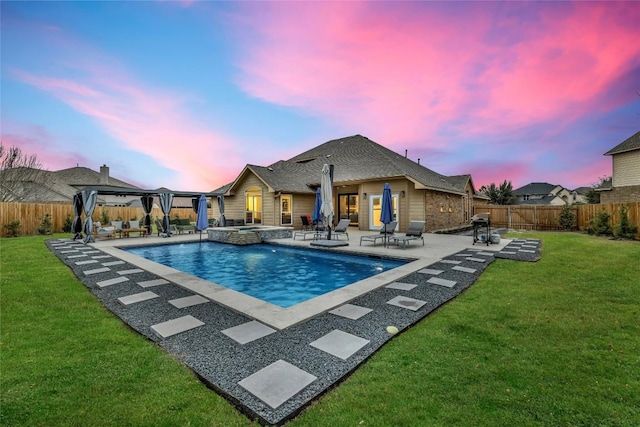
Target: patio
x=300 y=357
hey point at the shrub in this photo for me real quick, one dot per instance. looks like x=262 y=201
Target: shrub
x=104 y=217
x=567 y=218
x=601 y=224
x=13 y=228
x=68 y=224
x=625 y=229
x=45 y=225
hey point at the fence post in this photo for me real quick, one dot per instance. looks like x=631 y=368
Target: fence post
x=509 y=217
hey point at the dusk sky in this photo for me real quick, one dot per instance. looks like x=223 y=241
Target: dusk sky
x=184 y=94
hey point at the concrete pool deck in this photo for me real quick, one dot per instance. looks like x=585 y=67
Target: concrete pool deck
x=272 y=374
x=436 y=247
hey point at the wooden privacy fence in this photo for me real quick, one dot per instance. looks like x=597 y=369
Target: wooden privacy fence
x=537 y=217
x=30 y=215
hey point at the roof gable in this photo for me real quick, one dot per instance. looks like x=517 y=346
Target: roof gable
x=629 y=144
x=535 y=188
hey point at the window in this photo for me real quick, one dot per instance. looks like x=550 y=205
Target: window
x=285 y=209
x=253 y=198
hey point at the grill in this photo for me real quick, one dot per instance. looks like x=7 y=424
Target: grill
x=481 y=227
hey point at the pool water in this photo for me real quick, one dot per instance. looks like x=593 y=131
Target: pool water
x=280 y=275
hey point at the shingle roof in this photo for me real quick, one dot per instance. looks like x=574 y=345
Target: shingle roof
x=356 y=159
x=535 y=188
x=81 y=176
x=629 y=144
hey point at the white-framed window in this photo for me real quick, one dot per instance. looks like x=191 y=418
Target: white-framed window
x=286 y=209
x=253 y=205
x=375 y=208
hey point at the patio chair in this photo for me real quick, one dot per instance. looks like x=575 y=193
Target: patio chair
x=108 y=232
x=134 y=227
x=386 y=231
x=341 y=229
x=306 y=222
x=414 y=232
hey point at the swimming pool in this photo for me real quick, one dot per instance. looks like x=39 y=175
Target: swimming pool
x=280 y=275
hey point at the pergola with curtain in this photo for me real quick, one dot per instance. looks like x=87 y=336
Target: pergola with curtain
x=86 y=200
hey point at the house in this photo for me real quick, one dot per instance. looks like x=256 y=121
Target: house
x=625 y=179
x=279 y=194
x=543 y=193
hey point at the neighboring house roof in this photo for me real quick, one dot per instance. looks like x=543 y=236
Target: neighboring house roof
x=605 y=185
x=629 y=144
x=535 y=188
x=582 y=190
x=81 y=176
x=546 y=200
x=356 y=159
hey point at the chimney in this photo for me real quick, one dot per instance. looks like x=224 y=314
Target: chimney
x=405 y=153
x=104 y=175
x=418 y=160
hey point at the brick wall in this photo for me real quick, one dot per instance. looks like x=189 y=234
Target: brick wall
x=621 y=195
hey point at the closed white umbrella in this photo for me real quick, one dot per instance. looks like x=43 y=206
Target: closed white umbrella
x=326 y=189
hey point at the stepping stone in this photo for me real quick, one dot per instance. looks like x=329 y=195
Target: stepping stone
x=527 y=251
x=485 y=253
x=464 y=269
x=464 y=254
x=530 y=246
x=188 y=301
x=108 y=264
x=101 y=256
x=401 y=286
x=92 y=252
x=248 y=332
x=72 y=251
x=135 y=270
x=442 y=282
x=406 y=302
x=132 y=299
x=450 y=261
x=340 y=344
x=110 y=282
x=97 y=270
x=475 y=259
x=176 y=326
x=76 y=256
x=277 y=383
x=154 y=282
x=89 y=261
x=508 y=252
x=350 y=311
x=430 y=271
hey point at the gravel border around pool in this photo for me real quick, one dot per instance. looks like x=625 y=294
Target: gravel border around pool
x=222 y=363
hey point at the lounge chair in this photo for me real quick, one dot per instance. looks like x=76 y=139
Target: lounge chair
x=306 y=223
x=108 y=232
x=341 y=229
x=386 y=231
x=414 y=232
x=134 y=227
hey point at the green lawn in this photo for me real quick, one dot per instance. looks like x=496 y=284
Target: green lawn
x=553 y=343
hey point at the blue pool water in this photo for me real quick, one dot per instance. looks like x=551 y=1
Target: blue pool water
x=280 y=275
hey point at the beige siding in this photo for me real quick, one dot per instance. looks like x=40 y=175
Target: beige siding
x=626 y=169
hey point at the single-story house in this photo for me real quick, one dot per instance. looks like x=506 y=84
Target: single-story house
x=279 y=194
x=625 y=180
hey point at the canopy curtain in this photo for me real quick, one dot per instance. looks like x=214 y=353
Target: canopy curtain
x=89 y=201
x=221 y=221
x=77 y=221
x=166 y=200
x=147 y=205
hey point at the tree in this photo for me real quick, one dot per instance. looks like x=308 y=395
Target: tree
x=21 y=175
x=499 y=195
x=593 y=196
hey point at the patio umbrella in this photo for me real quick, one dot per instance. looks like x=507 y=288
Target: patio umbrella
x=202 y=219
x=386 y=213
x=326 y=189
x=77 y=221
x=317 y=216
x=221 y=222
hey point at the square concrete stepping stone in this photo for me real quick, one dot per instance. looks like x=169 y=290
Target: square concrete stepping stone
x=248 y=332
x=450 y=261
x=176 y=326
x=110 y=282
x=77 y=256
x=475 y=259
x=132 y=271
x=340 y=344
x=401 y=286
x=97 y=270
x=132 y=299
x=351 y=311
x=154 y=282
x=430 y=271
x=108 y=264
x=442 y=282
x=188 y=301
x=277 y=383
x=406 y=302
x=464 y=269
x=89 y=261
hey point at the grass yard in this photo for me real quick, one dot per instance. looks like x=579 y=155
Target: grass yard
x=552 y=343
